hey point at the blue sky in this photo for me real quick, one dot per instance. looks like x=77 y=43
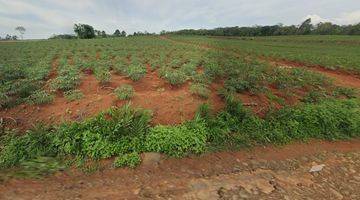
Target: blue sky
x=42 y=18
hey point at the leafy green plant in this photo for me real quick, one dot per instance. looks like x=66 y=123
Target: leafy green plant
x=102 y=75
x=200 y=90
x=127 y=160
x=347 y=92
x=124 y=92
x=135 y=72
x=73 y=95
x=68 y=79
x=177 y=140
x=40 y=97
x=175 y=77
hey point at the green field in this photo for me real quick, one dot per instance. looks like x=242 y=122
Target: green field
x=297 y=103
x=333 y=52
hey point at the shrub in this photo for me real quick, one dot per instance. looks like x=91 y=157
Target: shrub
x=314 y=96
x=40 y=97
x=15 y=149
x=127 y=160
x=135 y=72
x=177 y=140
x=102 y=75
x=124 y=92
x=347 y=92
x=200 y=90
x=73 y=95
x=175 y=77
x=68 y=79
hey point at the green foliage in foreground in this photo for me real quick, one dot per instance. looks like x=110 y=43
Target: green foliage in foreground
x=127 y=160
x=73 y=95
x=124 y=92
x=126 y=132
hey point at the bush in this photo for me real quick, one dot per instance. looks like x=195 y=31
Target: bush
x=177 y=140
x=347 y=92
x=175 y=77
x=15 y=149
x=73 y=95
x=68 y=79
x=102 y=75
x=127 y=160
x=124 y=92
x=135 y=72
x=200 y=90
x=40 y=97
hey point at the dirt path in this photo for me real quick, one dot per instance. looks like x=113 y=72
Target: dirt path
x=260 y=173
x=341 y=78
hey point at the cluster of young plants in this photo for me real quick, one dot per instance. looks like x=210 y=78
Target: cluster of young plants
x=125 y=132
x=72 y=95
x=124 y=92
x=68 y=76
x=40 y=97
x=200 y=90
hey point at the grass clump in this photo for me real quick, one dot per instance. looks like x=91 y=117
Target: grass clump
x=124 y=92
x=127 y=160
x=73 y=95
x=40 y=97
x=200 y=90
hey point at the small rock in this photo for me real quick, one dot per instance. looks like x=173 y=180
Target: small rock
x=317 y=168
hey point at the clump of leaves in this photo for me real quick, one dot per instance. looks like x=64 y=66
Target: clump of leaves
x=200 y=90
x=40 y=97
x=177 y=140
x=124 y=92
x=135 y=72
x=73 y=95
x=314 y=96
x=175 y=77
x=347 y=92
x=68 y=79
x=102 y=75
x=127 y=160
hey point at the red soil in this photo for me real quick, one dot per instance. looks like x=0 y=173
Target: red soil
x=171 y=177
x=170 y=105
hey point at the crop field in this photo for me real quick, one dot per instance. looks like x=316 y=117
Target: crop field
x=177 y=95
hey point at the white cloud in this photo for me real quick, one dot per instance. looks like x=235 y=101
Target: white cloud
x=348 y=18
x=345 y=18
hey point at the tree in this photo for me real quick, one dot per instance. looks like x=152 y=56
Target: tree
x=21 y=30
x=305 y=28
x=8 y=37
x=123 y=34
x=117 y=33
x=84 y=31
x=103 y=34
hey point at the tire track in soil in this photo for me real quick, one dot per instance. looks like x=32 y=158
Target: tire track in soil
x=341 y=78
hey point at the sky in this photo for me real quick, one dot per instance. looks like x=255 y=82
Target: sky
x=42 y=18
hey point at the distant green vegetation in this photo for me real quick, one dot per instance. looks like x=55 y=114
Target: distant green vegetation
x=334 y=52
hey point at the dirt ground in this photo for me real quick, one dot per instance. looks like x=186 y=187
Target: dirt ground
x=258 y=173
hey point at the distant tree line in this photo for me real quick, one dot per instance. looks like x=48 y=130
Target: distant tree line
x=21 y=31
x=306 y=28
x=9 y=37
